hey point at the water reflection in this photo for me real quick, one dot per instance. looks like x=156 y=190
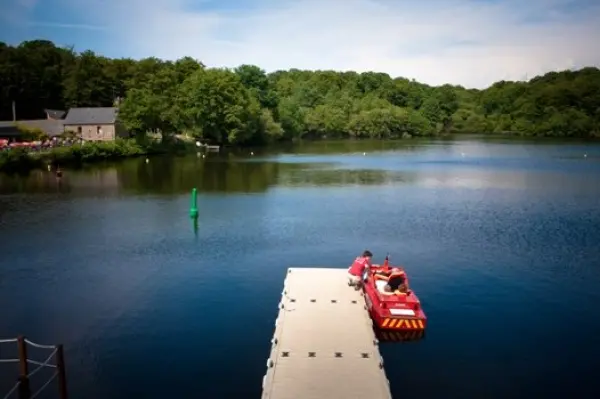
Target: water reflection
x=399 y=336
x=353 y=147
x=101 y=179
x=418 y=162
x=172 y=175
x=343 y=177
x=120 y=280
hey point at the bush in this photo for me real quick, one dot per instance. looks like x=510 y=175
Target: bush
x=94 y=151
x=31 y=133
x=20 y=159
x=17 y=159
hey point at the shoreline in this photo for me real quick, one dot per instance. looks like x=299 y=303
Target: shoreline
x=20 y=160
x=15 y=161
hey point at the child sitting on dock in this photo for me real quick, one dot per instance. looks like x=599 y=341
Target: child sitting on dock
x=357 y=270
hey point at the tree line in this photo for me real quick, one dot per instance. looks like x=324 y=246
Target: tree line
x=245 y=105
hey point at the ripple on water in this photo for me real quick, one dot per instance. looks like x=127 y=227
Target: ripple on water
x=501 y=247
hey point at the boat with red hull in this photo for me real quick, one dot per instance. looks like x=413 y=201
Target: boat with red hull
x=403 y=336
x=398 y=312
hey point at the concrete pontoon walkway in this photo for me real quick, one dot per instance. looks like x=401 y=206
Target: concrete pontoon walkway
x=324 y=346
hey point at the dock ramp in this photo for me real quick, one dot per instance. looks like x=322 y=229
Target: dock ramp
x=324 y=346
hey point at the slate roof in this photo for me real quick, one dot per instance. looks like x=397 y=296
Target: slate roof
x=50 y=127
x=91 y=116
x=55 y=113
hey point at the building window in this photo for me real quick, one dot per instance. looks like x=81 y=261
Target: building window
x=98 y=130
x=79 y=130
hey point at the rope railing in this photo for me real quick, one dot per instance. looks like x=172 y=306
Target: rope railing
x=44 y=386
x=13 y=389
x=42 y=365
x=38 y=345
x=22 y=386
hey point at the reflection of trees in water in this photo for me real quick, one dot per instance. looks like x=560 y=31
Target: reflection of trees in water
x=166 y=175
x=233 y=171
x=357 y=146
x=100 y=177
x=232 y=175
x=238 y=172
x=343 y=177
x=248 y=177
x=176 y=175
x=35 y=182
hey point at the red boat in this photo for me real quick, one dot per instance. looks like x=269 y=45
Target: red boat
x=399 y=335
x=395 y=311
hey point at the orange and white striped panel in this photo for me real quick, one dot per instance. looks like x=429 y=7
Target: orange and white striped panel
x=403 y=324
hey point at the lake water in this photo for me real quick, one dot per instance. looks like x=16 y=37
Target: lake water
x=501 y=240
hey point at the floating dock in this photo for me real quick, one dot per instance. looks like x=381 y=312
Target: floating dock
x=324 y=345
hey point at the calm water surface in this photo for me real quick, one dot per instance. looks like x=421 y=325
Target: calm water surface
x=501 y=241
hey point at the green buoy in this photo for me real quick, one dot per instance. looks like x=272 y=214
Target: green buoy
x=195 y=226
x=194 y=205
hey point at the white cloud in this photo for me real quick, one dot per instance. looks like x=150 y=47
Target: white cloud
x=65 y=25
x=468 y=42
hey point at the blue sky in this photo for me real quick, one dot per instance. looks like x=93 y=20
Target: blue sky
x=467 y=42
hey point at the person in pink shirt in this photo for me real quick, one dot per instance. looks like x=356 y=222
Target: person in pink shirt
x=356 y=271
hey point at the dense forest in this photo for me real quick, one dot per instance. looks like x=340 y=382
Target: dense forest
x=247 y=106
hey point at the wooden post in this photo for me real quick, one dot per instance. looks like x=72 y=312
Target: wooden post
x=24 y=390
x=14 y=111
x=62 y=374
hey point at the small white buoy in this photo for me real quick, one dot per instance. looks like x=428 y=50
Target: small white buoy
x=585 y=155
x=198 y=144
x=49 y=167
x=147 y=160
x=364 y=153
x=203 y=156
x=251 y=153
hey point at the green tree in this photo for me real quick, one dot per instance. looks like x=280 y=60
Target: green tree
x=153 y=106
x=256 y=80
x=86 y=83
x=247 y=105
x=217 y=107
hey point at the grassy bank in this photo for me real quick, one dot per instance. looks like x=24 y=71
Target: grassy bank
x=22 y=160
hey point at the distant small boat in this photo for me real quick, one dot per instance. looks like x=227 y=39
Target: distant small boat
x=208 y=147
